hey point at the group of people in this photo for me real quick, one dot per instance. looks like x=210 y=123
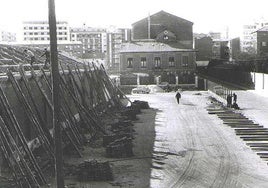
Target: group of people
x=232 y=101
x=29 y=54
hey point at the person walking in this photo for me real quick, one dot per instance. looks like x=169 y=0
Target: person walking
x=178 y=96
x=30 y=54
x=47 y=56
x=229 y=100
x=235 y=97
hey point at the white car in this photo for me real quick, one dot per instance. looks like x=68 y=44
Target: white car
x=140 y=90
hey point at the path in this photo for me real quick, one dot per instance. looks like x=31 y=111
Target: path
x=194 y=149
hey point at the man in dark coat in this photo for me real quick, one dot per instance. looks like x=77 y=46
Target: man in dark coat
x=229 y=101
x=47 y=56
x=235 y=97
x=178 y=96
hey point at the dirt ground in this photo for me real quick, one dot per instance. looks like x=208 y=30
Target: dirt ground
x=127 y=172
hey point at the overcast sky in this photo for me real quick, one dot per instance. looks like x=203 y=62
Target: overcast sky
x=207 y=15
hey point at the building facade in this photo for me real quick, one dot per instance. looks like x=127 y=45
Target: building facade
x=166 y=28
x=249 y=39
x=7 y=36
x=203 y=47
x=156 y=62
x=36 y=34
x=262 y=41
x=235 y=47
x=161 y=50
x=94 y=41
x=115 y=38
x=38 y=31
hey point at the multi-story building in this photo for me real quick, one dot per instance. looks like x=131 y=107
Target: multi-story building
x=235 y=48
x=36 y=34
x=115 y=38
x=7 y=36
x=161 y=50
x=262 y=41
x=203 y=47
x=221 y=49
x=38 y=31
x=94 y=41
x=249 y=39
x=215 y=35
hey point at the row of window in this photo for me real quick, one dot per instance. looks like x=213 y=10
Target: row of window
x=43 y=38
x=43 y=33
x=42 y=27
x=157 y=62
x=87 y=35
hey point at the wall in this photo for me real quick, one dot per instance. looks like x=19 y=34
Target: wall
x=261 y=82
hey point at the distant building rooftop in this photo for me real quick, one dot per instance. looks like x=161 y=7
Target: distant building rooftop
x=263 y=29
x=150 y=47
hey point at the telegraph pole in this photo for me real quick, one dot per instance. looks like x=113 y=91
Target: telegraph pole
x=55 y=93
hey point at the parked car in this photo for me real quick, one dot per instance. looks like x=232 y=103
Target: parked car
x=140 y=90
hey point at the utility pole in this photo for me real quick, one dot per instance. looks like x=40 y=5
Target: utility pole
x=149 y=26
x=55 y=93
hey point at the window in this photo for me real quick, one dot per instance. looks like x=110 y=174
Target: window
x=263 y=44
x=184 y=61
x=143 y=62
x=129 y=62
x=171 y=62
x=157 y=62
x=35 y=28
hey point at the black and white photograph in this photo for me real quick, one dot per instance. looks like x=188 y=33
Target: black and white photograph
x=133 y=94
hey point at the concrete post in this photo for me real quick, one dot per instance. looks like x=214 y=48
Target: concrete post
x=205 y=84
x=138 y=79
x=196 y=81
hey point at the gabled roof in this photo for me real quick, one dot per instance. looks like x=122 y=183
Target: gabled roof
x=265 y=28
x=134 y=47
x=163 y=13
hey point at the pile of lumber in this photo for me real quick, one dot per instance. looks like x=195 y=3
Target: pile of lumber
x=94 y=171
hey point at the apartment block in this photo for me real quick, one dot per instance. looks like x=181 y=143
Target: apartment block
x=38 y=31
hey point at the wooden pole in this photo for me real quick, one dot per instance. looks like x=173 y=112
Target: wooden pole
x=55 y=94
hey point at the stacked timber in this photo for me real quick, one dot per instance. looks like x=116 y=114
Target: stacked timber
x=141 y=104
x=120 y=148
x=120 y=129
x=94 y=171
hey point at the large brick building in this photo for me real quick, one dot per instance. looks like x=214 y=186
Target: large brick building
x=157 y=61
x=164 y=27
x=161 y=50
